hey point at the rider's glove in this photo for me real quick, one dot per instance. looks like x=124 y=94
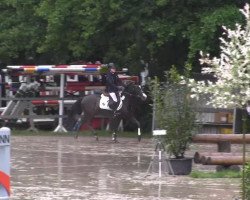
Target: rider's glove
x=120 y=88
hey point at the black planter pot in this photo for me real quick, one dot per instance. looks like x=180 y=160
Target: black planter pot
x=182 y=166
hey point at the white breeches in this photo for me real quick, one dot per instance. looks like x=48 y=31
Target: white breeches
x=113 y=96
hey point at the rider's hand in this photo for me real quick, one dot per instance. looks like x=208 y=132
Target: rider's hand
x=120 y=88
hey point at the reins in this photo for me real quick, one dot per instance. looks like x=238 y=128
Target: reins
x=129 y=94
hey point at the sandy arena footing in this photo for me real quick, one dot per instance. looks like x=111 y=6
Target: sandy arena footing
x=51 y=168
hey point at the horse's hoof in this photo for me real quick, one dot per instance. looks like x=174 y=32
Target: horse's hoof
x=139 y=138
x=115 y=140
x=97 y=138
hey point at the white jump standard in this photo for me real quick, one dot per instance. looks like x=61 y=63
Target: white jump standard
x=160 y=149
x=4 y=163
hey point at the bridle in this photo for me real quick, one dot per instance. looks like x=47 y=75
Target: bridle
x=132 y=95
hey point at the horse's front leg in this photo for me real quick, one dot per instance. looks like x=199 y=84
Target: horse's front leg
x=134 y=120
x=114 y=137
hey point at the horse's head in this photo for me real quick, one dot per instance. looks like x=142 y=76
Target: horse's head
x=134 y=90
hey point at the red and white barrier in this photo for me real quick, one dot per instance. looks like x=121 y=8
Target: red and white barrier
x=4 y=163
x=90 y=71
x=91 y=68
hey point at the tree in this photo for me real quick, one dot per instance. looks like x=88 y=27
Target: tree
x=21 y=30
x=161 y=32
x=179 y=29
x=232 y=73
x=231 y=69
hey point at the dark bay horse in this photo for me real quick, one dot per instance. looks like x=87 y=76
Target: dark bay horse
x=86 y=108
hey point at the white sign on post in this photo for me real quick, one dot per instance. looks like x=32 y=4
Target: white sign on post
x=4 y=163
x=159 y=132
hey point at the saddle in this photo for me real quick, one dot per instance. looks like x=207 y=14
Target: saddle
x=106 y=94
x=104 y=102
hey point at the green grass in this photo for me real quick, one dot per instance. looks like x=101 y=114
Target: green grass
x=220 y=174
x=17 y=132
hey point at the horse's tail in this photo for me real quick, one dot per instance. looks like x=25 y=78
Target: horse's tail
x=76 y=107
x=71 y=119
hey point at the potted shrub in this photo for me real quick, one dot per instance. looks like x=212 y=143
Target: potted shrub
x=174 y=112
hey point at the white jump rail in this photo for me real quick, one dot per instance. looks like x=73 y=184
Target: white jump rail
x=58 y=69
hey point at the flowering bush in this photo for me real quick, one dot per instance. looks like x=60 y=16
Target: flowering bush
x=232 y=73
x=231 y=69
x=174 y=112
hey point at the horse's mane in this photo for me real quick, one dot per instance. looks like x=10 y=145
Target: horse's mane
x=128 y=82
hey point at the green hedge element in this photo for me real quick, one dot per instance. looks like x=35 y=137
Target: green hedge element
x=246 y=181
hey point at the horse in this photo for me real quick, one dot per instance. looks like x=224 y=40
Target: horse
x=86 y=108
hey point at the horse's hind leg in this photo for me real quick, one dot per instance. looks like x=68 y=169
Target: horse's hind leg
x=86 y=119
x=114 y=127
x=83 y=119
x=77 y=125
x=93 y=130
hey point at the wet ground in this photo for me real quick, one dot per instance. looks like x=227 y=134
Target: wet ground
x=58 y=168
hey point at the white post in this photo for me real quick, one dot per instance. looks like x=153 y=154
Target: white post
x=4 y=163
x=91 y=78
x=60 y=127
x=153 y=117
x=160 y=163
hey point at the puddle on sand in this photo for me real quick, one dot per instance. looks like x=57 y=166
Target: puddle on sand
x=51 y=168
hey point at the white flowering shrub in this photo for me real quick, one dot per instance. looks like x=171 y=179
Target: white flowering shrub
x=231 y=69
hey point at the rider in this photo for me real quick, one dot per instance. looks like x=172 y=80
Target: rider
x=113 y=86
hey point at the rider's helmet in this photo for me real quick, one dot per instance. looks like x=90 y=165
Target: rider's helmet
x=111 y=66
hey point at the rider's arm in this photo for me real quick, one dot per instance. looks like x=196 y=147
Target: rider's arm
x=120 y=84
x=110 y=83
x=119 y=81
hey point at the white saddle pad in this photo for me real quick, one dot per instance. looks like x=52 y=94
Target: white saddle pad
x=104 y=102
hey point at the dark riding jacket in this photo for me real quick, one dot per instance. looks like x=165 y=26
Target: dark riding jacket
x=112 y=82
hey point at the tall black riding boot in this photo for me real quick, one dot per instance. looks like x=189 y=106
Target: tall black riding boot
x=112 y=104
